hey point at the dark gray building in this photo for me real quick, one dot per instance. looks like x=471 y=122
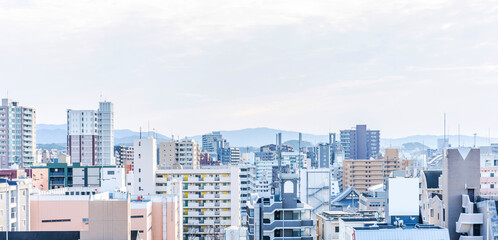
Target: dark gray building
x=280 y=216
x=461 y=176
x=360 y=142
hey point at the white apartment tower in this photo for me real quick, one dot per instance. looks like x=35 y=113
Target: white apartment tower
x=90 y=135
x=106 y=133
x=17 y=134
x=179 y=152
x=211 y=199
x=144 y=173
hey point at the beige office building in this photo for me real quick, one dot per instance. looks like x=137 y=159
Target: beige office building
x=365 y=173
x=185 y=153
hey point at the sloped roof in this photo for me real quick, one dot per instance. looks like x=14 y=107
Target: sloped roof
x=344 y=194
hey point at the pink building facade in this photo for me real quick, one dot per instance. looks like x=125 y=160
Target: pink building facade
x=489 y=181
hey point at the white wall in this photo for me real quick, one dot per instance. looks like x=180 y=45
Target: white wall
x=145 y=158
x=403 y=196
x=113 y=179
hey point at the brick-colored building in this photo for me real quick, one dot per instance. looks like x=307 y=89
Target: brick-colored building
x=365 y=173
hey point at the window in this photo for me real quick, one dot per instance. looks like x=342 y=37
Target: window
x=336 y=229
x=110 y=172
x=137 y=216
x=57 y=220
x=492 y=174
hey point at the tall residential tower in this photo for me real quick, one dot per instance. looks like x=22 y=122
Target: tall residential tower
x=17 y=134
x=360 y=142
x=90 y=135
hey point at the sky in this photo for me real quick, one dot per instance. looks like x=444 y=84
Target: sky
x=191 y=67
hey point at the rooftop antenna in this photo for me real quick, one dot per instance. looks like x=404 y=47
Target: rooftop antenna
x=148 y=128
x=140 y=132
x=279 y=150
x=444 y=134
x=489 y=136
x=459 y=135
x=475 y=138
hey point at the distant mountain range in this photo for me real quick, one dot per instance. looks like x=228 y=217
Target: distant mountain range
x=255 y=137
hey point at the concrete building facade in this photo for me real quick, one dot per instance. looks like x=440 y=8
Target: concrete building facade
x=185 y=153
x=211 y=199
x=90 y=135
x=17 y=135
x=360 y=142
x=145 y=157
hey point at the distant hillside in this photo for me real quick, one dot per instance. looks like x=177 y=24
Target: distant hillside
x=255 y=137
x=413 y=146
x=48 y=134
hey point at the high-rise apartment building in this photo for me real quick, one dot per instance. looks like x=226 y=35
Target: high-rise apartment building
x=360 y=143
x=105 y=153
x=185 y=153
x=90 y=135
x=123 y=155
x=280 y=216
x=229 y=155
x=17 y=134
x=211 y=199
x=210 y=142
x=365 y=173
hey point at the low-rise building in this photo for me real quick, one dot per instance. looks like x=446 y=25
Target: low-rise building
x=62 y=175
x=15 y=204
x=374 y=199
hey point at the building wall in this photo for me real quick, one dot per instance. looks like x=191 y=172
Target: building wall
x=360 y=143
x=184 y=152
x=141 y=218
x=362 y=174
x=214 y=193
x=461 y=175
x=145 y=156
x=82 y=136
x=167 y=217
x=105 y=154
x=489 y=181
x=14 y=204
x=20 y=146
x=108 y=219
x=65 y=215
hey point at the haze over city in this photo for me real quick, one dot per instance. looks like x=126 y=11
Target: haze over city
x=192 y=67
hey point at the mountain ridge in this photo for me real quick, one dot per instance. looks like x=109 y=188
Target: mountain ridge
x=256 y=137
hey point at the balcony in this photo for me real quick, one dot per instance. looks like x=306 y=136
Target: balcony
x=467 y=220
x=471 y=238
x=307 y=223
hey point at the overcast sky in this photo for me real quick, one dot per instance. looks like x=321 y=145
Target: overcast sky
x=190 y=67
